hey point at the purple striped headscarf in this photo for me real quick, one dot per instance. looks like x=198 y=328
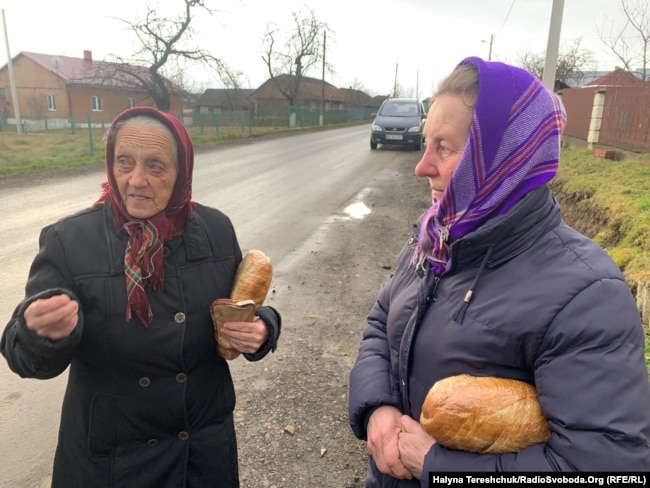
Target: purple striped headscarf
x=513 y=147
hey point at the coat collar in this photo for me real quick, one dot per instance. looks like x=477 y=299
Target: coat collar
x=194 y=238
x=509 y=234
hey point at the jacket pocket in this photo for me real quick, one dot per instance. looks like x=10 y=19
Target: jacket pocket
x=102 y=426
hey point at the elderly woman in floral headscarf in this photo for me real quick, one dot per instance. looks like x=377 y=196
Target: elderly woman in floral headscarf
x=121 y=294
x=494 y=283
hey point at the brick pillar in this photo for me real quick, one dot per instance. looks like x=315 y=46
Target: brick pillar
x=596 y=118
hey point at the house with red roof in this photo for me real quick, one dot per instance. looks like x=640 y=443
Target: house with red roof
x=618 y=77
x=63 y=87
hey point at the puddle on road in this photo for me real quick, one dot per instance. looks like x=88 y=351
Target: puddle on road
x=354 y=211
x=357 y=210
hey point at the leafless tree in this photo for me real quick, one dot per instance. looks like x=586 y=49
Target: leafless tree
x=629 y=41
x=571 y=63
x=289 y=58
x=232 y=81
x=164 y=42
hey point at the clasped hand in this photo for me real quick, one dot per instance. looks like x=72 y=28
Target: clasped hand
x=397 y=443
x=53 y=318
x=245 y=337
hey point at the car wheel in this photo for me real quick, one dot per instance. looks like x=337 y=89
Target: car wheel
x=373 y=145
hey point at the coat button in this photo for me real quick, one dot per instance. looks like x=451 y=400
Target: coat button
x=144 y=382
x=181 y=377
x=179 y=318
x=411 y=240
x=166 y=251
x=152 y=442
x=182 y=435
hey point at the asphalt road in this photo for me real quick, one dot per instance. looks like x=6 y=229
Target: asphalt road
x=281 y=194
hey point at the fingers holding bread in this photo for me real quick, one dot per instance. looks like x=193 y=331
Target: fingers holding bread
x=250 y=287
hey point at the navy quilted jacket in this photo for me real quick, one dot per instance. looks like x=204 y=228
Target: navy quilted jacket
x=549 y=307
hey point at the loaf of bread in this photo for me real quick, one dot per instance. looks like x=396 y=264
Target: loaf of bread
x=253 y=278
x=250 y=287
x=483 y=414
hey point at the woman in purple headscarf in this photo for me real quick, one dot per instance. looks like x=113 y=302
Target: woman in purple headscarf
x=494 y=283
x=120 y=293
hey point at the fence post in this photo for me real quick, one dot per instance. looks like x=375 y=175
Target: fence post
x=90 y=135
x=596 y=118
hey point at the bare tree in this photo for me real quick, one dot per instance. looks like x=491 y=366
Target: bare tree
x=631 y=41
x=232 y=81
x=163 y=43
x=289 y=59
x=571 y=63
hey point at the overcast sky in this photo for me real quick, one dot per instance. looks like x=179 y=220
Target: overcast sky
x=370 y=42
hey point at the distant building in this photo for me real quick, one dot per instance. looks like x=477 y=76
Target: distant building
x=602 y=78
x=312 y=93
x=582 y=78
x=217 y=100
x=618 y=77
x=63 y=87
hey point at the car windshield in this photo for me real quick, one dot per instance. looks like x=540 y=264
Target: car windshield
x=400 y=109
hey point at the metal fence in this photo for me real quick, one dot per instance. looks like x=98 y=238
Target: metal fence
x=621 y=118
x=222 y=123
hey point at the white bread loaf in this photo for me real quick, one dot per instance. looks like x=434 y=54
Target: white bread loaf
x=483 y=414
x=253 y=278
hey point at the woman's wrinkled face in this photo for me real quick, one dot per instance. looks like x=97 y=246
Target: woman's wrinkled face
x=145 y=170
x=446 y=132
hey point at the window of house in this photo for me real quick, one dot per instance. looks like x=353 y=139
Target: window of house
x=131 y=102
x=96 y=103
x=51 y=102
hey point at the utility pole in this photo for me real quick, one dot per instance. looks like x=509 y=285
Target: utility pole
x=322 y=90
x=490 y=43
x=490 y=51
x=12 y=82
x=395 y=82
x=553 y=45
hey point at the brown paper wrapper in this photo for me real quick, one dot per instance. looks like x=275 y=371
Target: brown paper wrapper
x=225 y=310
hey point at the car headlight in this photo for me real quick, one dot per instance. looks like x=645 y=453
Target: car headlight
x=414 y=129
x=376 y=128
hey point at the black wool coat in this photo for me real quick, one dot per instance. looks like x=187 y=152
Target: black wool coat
x=144 y=406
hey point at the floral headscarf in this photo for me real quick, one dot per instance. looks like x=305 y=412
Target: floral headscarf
x=143 y=264
x=513 y=147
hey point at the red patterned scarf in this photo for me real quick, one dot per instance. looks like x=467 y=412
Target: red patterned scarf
x=143 y=257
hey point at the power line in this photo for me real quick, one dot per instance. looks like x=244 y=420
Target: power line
x=493 y=36
x=506 y=19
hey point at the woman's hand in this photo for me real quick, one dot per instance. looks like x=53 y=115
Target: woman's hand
x=414 y=444
x=245 y=337
x=384 y=427
x=54 y=318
